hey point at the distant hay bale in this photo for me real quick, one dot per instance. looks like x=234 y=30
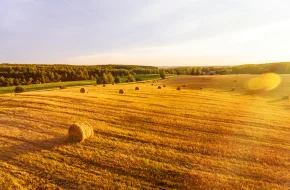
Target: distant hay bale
x=95 y=85
x=104 y=85
x=137 y=88
x=201 y=88
x=164 y=85
x=159 y=87
x=62 y=87
x=152 y=84
x=80 y=131
x=122 y=91
x=184 y=85
x=82 y=90
x=178 y=88
x=233 y=89
x=235 y=81
x=113 y=83
x=285 y=98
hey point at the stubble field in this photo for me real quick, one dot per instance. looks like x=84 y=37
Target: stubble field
x=213 y=138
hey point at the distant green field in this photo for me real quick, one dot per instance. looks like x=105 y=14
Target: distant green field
x=45 y=86
x=145 y=77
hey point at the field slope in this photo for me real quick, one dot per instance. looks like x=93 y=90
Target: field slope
x=212 y=138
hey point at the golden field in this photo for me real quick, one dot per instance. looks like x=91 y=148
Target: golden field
x=212 y=138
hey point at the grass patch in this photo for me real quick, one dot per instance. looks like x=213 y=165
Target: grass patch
x=34 y=87
x=45 y=86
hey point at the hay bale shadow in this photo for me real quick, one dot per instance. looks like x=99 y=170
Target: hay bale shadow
x=30 y=146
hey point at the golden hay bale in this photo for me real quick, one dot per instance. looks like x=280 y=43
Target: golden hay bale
x=104 y=85
x=201 y=88
x=122 y=91
x=233 y=89
x=152 y=84
x=159 y=87
x=178 y=88
x=80 y=131
x=285 y=98
x=164 y=85
x=113 y=83
x=137 y=88
x=82 y=90
x=184 y=85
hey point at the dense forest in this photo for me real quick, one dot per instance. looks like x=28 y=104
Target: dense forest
x=25 y=74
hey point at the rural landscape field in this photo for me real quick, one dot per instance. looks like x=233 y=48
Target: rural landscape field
x=211 y=134
x=144 y=95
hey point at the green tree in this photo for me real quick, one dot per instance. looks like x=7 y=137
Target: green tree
x=117 y=79
x=110 y=78
x=105 y=79
x=198 y=71
x=193 y=71
x=16 y=81
x=162 y=74
x=19 y=89
x=100 y=80
x=131 y=78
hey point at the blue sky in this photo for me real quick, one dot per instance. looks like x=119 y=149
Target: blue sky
x=145 y=32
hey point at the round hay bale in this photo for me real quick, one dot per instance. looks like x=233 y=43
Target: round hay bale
x=201 y=88
x=82 y=90
x=62 y=87
x=122 y=91
x=184 y=85
x=113 y=83
x=80 y=131
x=137 y=88
x=233 y=89
x=104 y=85
x=159 y=87
x=178 y=88
x=152 y=84
x=164 y=85
x=285 y=98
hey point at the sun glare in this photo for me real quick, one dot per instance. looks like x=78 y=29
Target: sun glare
x=265 y=82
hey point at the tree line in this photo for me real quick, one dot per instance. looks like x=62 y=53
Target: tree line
x=279 y=68
x=25 y=74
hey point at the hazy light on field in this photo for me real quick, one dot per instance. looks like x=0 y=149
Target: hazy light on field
x=265 y=82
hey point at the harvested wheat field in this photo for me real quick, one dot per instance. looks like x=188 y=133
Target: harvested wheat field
x=149 y=139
